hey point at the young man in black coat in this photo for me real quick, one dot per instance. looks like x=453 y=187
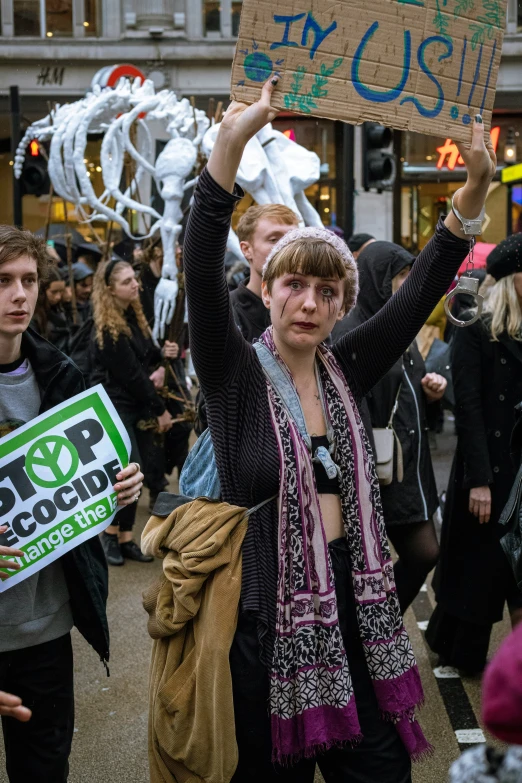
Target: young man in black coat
x=258 y=231
x=36 y=615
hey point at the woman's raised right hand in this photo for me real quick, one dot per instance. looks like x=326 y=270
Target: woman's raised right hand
x=242 y=121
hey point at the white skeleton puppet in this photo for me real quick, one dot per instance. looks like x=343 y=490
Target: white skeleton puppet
x=114 y=111
x=274 y=170
x=174 y=165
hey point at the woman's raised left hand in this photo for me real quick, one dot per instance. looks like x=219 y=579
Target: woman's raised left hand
x=479 y=155
x=241 y=121
x=130 y=483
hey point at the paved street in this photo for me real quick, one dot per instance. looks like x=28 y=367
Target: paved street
x=110 y=741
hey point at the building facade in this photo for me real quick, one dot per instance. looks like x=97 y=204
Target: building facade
x=51 y=50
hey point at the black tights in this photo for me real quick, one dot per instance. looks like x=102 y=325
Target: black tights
x=418 y=550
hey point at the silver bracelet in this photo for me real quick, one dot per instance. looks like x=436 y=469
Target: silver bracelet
x=470 y=226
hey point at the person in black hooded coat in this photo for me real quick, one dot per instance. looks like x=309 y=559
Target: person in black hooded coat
x=408 y=505
x=474 y=580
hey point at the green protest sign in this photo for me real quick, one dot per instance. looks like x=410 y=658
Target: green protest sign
x=56 y=480
x=422 y=65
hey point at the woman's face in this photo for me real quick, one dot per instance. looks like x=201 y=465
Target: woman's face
x=304 y=309
x=54 y=292
x=399 y=279
x=124 y=286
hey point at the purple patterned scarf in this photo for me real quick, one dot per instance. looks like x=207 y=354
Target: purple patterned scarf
x=312 y=701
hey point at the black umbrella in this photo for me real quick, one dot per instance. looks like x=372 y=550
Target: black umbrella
x=57 y=232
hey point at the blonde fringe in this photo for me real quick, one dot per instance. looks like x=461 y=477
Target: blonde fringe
x=108 y=317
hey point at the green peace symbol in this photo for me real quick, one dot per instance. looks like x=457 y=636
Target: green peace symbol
x=51 y=448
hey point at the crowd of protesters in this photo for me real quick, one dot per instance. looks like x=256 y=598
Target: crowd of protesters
x=302 y=354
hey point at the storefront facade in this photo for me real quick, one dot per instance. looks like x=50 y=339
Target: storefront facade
x=431 y=172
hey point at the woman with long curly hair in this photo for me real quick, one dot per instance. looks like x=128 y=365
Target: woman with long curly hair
x=474 y=579
x=123 y=355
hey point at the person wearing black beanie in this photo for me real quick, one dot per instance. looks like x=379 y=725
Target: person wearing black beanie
x=506 y=258
x=474 y=579
x=358 y=242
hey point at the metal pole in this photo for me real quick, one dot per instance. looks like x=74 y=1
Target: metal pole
x=68 y=245
x=509 y=216
x=397 y=188
x=348 y=179
x=14 y=104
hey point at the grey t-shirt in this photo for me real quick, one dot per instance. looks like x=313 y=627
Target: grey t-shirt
x=37 y=610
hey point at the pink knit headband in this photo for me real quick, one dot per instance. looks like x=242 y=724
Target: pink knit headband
x=312 y=233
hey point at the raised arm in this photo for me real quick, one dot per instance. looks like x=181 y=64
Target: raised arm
x=368 y=352
x=217 y=347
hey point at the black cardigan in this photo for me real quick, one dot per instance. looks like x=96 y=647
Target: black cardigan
x=235 y=389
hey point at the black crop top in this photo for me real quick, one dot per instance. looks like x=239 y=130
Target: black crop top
x=325 y=485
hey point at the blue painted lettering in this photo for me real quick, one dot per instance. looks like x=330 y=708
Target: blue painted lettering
x=379 y=96
x=311 y=26
x=423 y=111
x=288 y=22
x=320 y=35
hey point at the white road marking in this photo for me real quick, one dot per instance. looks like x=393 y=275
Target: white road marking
x=469 y=736
x=446 y=673
x=423 y=624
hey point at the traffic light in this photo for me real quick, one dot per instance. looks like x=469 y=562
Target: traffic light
x=34 y=179
x=378 y=164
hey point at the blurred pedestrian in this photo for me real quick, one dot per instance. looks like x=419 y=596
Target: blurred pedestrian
x=474 y=579
x=401 y=397
x=83 y=282
x=358 y=242
x=49 y=318
x=123 y=355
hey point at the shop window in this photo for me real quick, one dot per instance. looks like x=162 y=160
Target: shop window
x=221 y=18
x=27 y=17
x=236 y=16
x=58 y=18
x=92 y=17
x=211 y=17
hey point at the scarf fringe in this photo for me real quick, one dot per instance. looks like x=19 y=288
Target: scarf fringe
x=423 y=755
x=310 y=752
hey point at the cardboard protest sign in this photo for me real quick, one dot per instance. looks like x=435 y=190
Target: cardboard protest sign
x=422 y=65
x=56 y=480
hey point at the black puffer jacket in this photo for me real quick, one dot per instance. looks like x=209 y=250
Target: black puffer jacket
x=415 y=499
x=85 y=567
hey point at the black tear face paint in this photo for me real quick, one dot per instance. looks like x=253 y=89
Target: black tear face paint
x=284 y=306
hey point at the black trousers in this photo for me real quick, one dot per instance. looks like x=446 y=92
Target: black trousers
x=38 y=751
x=379 y=758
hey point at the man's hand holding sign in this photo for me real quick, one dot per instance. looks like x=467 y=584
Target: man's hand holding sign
x=62 y=477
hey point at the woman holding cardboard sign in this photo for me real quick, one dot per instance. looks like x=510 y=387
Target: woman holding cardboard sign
x=321 y=664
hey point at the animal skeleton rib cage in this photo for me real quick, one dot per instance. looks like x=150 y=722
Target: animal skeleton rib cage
x=274 y=169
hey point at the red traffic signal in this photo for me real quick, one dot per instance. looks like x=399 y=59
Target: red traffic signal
x=34 y=147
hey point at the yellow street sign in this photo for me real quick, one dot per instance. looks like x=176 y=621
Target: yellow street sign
x=512 y=173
